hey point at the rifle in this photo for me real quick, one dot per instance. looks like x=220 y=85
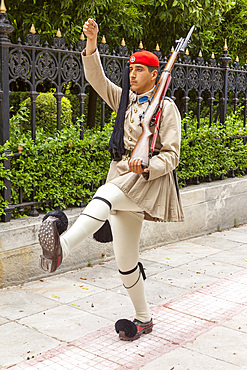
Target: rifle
x=142 y=148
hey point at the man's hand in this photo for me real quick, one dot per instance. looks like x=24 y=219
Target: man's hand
x=90 y=30
x=135 y=165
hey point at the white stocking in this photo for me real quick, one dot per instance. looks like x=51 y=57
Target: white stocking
x=99 y=212
x=126 y=229
x=126 y=224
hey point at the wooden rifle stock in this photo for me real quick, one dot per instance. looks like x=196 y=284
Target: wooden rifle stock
x=142 y=147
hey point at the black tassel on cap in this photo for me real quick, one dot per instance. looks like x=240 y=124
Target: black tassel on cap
x=116 y=144
x=104 y=234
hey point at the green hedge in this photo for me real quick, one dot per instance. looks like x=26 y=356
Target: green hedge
x=4 y=174
x=63 y=167
x=46 y=112
x=212 y=150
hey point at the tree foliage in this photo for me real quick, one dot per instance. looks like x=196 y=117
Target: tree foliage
x=173 y=19
x=149 y=21
x=116 y=18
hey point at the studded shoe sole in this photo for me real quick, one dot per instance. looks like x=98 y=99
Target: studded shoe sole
x=50 y=244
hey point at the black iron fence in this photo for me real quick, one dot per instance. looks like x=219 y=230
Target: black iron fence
x=205 y=87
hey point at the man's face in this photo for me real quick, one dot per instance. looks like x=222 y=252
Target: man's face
x=141 y=80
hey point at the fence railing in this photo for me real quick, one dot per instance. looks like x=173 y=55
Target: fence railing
x=196 y=84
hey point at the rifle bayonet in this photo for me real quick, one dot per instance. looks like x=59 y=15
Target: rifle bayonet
x=182 y=43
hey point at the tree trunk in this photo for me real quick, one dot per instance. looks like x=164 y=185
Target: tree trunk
x=92 y=101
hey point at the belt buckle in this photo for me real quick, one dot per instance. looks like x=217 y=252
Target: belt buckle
x=127 y=155
x=129 y=152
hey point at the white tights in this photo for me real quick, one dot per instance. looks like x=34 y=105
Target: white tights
x=126 y=224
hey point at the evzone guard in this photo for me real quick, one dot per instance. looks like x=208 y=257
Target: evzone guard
x=133 y=191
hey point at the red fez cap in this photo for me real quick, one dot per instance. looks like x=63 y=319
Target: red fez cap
x=144 y=57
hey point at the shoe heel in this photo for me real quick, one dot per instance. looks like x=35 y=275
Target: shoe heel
x=148 y=330
x=50 y=268
x=44 y=264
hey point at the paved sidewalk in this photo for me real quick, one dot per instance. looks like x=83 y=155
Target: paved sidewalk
x=198 y=292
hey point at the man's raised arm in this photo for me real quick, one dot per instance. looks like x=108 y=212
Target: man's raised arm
x=90 y=30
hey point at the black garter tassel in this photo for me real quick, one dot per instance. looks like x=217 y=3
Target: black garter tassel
x=104 y=234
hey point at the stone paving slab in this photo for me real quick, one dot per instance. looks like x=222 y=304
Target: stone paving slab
x=212 y=240
x=99 y=277
x=193 y=248
x=18 y=303
x=64 y=323
x=18 y=341
x=241 y=229
x=98 y=304
x=186 y=359
x=212 y=267
x=232 y=235
x=169 y=258
x=198 y=303
x=62 y=288
x=238 y=323
x=232 y=349
x=232 y=258
x=3 y=320
x=184 y=278
x=157 y=292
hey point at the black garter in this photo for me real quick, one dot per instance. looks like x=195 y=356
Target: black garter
x=104 y=234
x=141 y=272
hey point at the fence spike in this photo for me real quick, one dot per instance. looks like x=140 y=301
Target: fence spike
x=32 y=29
x=58 y=33
x=213 y=56
x=237 y=59
x=82 y=37
x=123 y=43
x=172 y=49
x=157 y=47
x=2 y=7
x=141 y=45
x=187 y=51
x=200 y=54
x=20 y=148
x=103 y=41
x=225 y=46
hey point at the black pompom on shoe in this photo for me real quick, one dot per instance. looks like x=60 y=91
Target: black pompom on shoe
x=127 y=327
x=61 y=222
x=132 y=330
